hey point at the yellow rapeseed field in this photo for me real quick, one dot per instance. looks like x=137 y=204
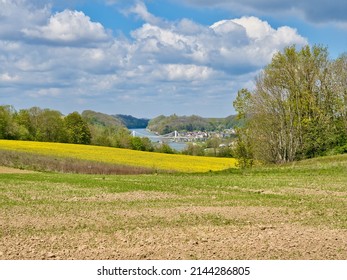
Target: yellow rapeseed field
x=122 y=156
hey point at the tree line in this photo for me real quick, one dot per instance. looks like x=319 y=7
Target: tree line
x=46 y=125
x=43 y=125
x=167 y=124
x=297 y=110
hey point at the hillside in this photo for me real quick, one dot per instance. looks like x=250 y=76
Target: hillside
x=101 y=119
x=161 y=124
x=166 y=124
x=132 y=122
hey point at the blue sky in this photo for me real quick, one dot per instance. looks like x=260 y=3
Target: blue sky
x=148 y=58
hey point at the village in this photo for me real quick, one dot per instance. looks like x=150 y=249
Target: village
x=193 y=136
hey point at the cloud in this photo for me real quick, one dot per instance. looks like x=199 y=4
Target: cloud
x=69 y=27
x=245 y=44
x=318 y=11
x=65 y=56
x=18 y=14
x=6 y=77
x=183 y=72
x=140 y=10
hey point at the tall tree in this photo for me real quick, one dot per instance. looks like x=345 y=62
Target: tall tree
x=77 y=129
x=292 y=112
x=51 y=127
x=8 y=127
x=339 y=84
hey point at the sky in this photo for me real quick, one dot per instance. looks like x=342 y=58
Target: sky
x=154 y=57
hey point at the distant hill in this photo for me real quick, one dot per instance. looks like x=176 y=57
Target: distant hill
x=100 y=119
x=132 y=122
x=161 y=124
x=164 y=124
x=104 y=120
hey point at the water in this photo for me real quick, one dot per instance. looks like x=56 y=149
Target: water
x=142 y=132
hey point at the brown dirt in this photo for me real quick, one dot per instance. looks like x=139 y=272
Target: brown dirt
x=26 y=236
x=8 y=170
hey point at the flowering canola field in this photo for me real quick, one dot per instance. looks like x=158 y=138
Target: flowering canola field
x=158 y=161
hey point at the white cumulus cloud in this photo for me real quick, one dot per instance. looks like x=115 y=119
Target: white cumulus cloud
x=244 y=44
x=49 y=58
x=69 y=27
x=318 y=11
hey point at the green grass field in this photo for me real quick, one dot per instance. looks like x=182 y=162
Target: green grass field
x=296 y=211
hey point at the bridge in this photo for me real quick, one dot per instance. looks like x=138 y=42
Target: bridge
x=173 y=136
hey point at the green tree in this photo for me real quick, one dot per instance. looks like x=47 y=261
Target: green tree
x=214 y=143
x=77 y=130
x=100 y=136
x=165 y=148
x=123 y=138
x=194 y=149
x=50 y=127
x=25 y=126
x=136 y=144
x=8 y=126
x=242 y=148
x=339 y=83
x=242 y=103
x=147 y=144
x=293 y=112
x=141 y=144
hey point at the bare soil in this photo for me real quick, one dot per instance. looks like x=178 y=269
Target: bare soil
x=61 y=223
x=9 y=170
x=255 y=239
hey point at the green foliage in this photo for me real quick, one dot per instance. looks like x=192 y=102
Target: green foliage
x=32 y=124
x=194 y=149
x=164 y=148
x=100 y=119
x=122 y=139
x=141 y=144
x=298 y=108
x=45 y=125
x=8 y=128
x=226 y=151
x=242 y=150
x=23 y=119
x=102 y=136
x=136 y=144
x=77 y=129
x=213 y=143
x=132 y=122
x=164 y=125
x=108 y=130
x=50 y=127
x=241 y=103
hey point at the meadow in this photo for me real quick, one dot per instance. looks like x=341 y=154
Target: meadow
x=295 y=211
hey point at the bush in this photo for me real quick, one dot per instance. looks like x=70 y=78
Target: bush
x=165 y=148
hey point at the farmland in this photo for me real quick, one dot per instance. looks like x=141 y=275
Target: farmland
x=295 y=211
x=121 y=156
